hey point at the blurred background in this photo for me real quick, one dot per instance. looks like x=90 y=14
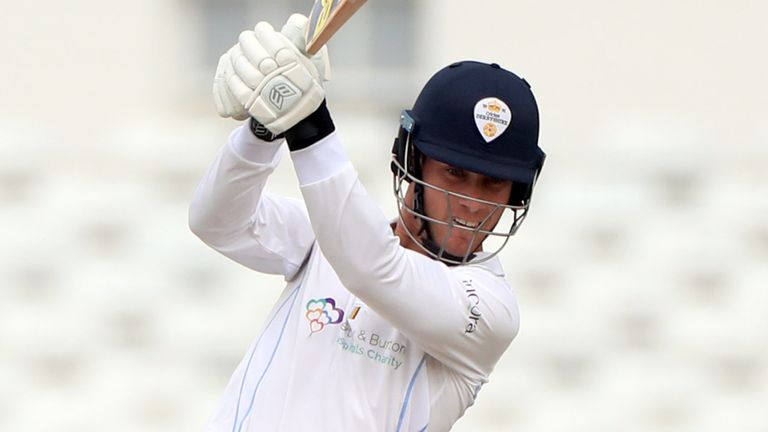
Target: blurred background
x=641 y=271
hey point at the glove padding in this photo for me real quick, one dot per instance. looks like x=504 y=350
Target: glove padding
x=268 y=77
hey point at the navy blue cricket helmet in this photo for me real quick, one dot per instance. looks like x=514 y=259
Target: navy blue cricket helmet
x=475 y=116
x=482 y=118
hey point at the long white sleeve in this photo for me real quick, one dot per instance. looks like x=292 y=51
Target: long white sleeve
x=231 y=213
x=463 y=316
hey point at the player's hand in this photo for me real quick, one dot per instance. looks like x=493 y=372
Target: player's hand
x=267 y=76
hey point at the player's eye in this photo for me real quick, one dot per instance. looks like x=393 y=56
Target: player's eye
x=454 y=171
x=495 y=184
x=496 y=181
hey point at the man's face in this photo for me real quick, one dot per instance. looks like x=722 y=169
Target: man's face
x=458 y=211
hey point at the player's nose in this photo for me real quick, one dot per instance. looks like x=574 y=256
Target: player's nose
x=470 y=205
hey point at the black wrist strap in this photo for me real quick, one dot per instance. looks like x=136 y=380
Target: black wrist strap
x=312 y=129
x=261 y=132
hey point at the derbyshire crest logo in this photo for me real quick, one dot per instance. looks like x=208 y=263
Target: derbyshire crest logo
x=322 y=313
x=492 y=117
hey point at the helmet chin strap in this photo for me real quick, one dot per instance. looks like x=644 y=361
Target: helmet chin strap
x=425 y=233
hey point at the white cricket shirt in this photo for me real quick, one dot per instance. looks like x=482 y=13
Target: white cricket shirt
x=367 y=335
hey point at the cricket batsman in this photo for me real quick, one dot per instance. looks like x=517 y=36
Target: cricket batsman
x=384 y=324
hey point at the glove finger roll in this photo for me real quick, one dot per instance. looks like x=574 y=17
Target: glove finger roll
x=252 y=49
x=271 y=40
x=267 y=66
x=286 y=56
x=247 y=72
x=295 y=30
x=239 y=89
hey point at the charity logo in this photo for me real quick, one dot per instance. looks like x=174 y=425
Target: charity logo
x=323 y=312
x=492 y=117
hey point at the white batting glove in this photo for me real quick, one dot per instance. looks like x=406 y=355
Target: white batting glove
x=267 y=76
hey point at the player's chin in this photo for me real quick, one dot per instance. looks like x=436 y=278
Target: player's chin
x=463 y=243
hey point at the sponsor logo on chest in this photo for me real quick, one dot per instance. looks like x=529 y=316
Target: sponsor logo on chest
x=372 y=346
x=358 y=332
x=473 y=306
